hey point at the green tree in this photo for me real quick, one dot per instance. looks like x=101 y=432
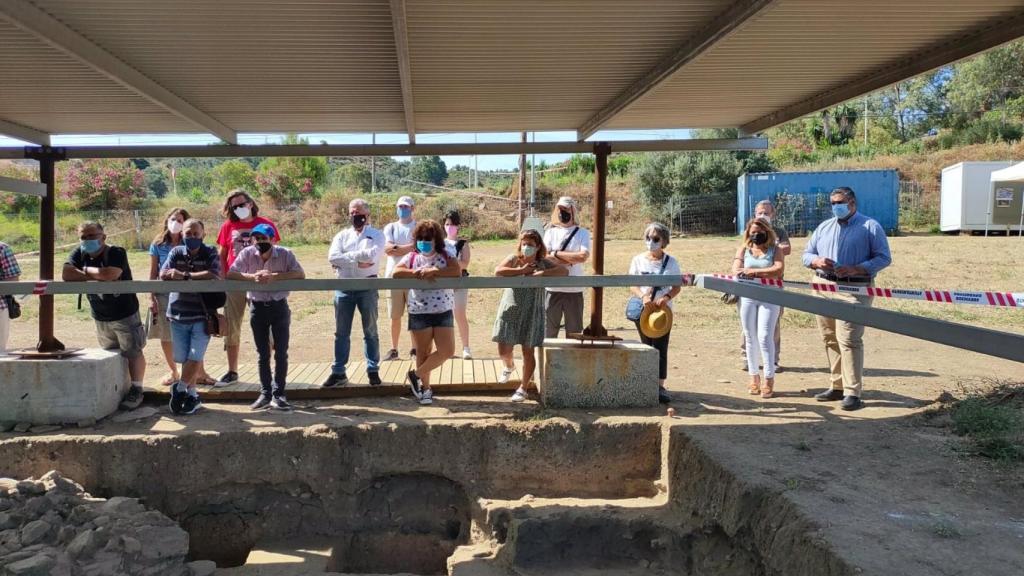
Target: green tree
x=104 y=184
x=286 y=180
x=232 y=174
x=193 y=183
x=155 y=180
x=664 y=175
x=353 y=176
x=429 y=169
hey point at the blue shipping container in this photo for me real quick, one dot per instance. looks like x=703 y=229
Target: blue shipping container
x=801 y=198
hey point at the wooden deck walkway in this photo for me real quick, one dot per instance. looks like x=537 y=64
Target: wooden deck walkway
x=455 y=376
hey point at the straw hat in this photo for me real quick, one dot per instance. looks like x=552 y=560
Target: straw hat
x=655 y=322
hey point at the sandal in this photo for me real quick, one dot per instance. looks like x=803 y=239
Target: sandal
x=205 y=381
x=755 y=386
x=767 y=391
x=169 y=379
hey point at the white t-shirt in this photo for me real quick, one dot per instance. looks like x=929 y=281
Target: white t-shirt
x=397 y=233
x=428 y=301
x=641 y=264
x=554 y=236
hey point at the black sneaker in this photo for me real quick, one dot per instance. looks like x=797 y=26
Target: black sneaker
x=227 y=379
x=178 y=396
x=829 y=395
x=192 y=404
x=663 y=396
x=414 y=384
x=335 y=380
x=374 y=378
x=262 y=402
x=391 y=355
x=412 y=353
x=280 y=403
x=851 y=403
x=132 y=400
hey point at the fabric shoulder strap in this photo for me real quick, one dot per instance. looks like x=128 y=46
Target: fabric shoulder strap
x=565 y=243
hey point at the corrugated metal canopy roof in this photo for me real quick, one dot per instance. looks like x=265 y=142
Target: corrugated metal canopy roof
x=148 y=66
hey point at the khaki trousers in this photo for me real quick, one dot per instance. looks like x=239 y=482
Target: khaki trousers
x=844 y=344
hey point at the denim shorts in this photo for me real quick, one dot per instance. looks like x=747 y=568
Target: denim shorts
x=189 y=340
x=425 y=321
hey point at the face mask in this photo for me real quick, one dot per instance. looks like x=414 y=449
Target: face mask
x=263 y=247
x=424 y=246
x=528 y=250
x=193 y=243
x=766 y=218
x=564 y=216
x=653 y=245
x=173 y=226
x=759 y=238
x=242 y=212
x=91 y=246
x=404 y=212
x=358 y=221
x=841 y=211
x=451 y=230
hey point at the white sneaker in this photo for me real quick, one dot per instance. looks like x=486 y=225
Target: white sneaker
x=427 y=398
x=466 y=354
x=506 y=374
x=519 y=395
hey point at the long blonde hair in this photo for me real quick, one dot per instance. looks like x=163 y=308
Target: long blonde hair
x=773 y=239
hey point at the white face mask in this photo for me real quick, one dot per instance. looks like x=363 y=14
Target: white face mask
x=653 y=245
x=173 y=226
x=242 y=212
x=765 y=217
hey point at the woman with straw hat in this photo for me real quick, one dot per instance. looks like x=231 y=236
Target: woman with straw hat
x=655 y=322
x=758 y=257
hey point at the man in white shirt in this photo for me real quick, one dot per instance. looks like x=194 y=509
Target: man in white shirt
x=398 y=242
x=355 y=253
x=568 y=243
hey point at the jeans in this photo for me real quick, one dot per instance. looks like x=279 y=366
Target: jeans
x=759 y=321
x=189 y=340
x=345 y=304
x=268 y=318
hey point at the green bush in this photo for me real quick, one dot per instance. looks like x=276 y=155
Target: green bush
x=996 y=429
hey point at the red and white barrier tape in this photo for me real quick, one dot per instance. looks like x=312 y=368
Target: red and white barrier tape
x=971 y=297
x=40 y=288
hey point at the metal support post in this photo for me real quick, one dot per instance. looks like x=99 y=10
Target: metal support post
x=596 y=329
x=48 y=158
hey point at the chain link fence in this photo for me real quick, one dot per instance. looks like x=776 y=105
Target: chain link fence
x=919 y=206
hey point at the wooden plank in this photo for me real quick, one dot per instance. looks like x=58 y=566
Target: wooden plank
x=478 y=371
x=319 y=375
x=303 y=373
x=467 y=372
x=456 y=371
x=357 y=373
x=491 y=377
x=444 y=373
x=389 y=370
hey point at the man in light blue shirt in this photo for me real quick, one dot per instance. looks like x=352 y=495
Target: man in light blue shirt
x=850 y=249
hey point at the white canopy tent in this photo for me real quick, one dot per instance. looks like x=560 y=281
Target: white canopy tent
x=1008 y=189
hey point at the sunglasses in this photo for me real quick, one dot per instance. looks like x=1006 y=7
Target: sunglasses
x=654 y=239
x=233 y=206
x=836 y=203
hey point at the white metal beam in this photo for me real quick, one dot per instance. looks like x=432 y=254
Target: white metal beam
x=24 y=133
x=718 y=29
x=26 y=16
x=18 y=186
x=399 y=24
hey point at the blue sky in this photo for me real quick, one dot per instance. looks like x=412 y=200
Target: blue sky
x=509 y=162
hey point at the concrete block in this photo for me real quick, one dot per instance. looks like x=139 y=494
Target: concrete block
x=620 y=375
x=89 y=385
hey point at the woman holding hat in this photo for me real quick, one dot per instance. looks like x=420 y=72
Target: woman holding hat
x=758 y=257
x=655 y=323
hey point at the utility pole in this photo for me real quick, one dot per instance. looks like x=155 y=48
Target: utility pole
x=476 y=167
x=373 y=167
x=522 y=181
x=865 y=121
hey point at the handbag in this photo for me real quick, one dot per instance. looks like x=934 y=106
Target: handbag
x=635 y=305
x=13 y=308
x=215 y=323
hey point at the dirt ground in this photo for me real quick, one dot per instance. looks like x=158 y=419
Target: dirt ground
x=887 y=487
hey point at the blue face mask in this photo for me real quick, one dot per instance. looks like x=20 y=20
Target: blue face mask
x=529 y=250
x=424 y=246
x=91 y=246
x=404 y=212
x=193 y=243
x=841 y=211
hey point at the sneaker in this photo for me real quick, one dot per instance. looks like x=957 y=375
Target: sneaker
x=519 y=395
x=412 y=353
x=374 y=378
x=427 y=397
x=391 y=355
x=262 y=402
x=414 y=384
x=280 y=403
x=335 y=380
x=466 y=354
x=506 y=374
x=778 y=368
x=192 y=405
x=663 y=396
x=227 y=379
x=178 y=396
x=133 y=399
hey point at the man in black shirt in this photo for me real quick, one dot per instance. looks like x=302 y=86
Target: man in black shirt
x=118 y=326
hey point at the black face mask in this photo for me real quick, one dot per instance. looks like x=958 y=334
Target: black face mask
x=759 y=238
x=564 y=216
x=358 y=221
x=263 y=247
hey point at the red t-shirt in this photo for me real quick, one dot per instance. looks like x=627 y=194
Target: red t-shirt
x=236 y=235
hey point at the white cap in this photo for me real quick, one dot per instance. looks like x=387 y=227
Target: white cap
x=566 y=201
x=405 y=201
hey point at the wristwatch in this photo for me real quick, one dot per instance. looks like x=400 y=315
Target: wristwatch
x=188 y=275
